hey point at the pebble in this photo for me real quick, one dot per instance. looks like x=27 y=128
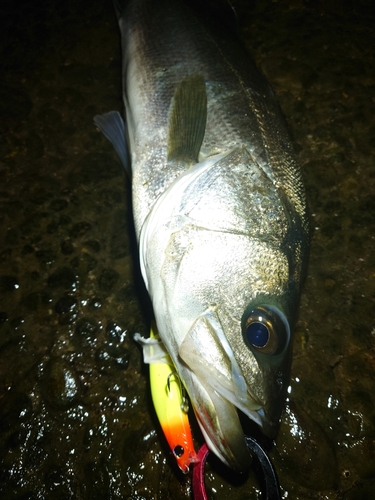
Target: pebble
x=60 y=384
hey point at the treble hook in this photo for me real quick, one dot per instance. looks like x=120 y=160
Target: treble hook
x=184 y=401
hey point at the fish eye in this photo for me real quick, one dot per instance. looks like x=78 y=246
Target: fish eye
x=178 y=451
x=266 y=330
x=257 y=334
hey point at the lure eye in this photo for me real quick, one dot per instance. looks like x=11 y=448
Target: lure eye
x=266 y=330
x=178 y=451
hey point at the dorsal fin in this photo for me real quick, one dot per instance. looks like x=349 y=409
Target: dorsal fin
x=187 y=120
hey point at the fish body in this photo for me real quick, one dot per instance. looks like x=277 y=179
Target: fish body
x=220 y=216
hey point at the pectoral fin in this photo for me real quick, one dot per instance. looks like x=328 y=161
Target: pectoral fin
x=112 y=126
x=187 y=120
x=154 y=350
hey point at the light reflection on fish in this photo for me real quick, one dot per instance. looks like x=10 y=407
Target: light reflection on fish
x=220 y=216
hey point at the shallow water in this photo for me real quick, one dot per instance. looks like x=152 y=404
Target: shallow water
x=76 y=417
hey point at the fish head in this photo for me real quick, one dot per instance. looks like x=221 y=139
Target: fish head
x=224 y=271
x=225 y=381
x=239 y=350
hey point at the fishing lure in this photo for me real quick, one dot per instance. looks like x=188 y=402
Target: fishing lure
x=170 y=401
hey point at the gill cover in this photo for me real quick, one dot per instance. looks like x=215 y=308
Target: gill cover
x=208 y=354
x=218 y=388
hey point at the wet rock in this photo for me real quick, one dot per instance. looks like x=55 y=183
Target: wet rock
x=35 y=453
x=64 y=220
x=33 y=300
x=54 y=478
x=69 y=95
x=96 y=480
x=5 y=255
x=49 y=117
x=93 y=245
x=111 y=197
x=12 y=236
x=63 y=278
x=115 y=333
x=27 y=249
x=66 y=305
x=98 y=167
x=15 y=407
x=360 y=400
x=126 y=293
x=52 y=228
x=58 y=205
x=361 y=491
x=107 y=279
x=34 y=145
x=58 y=483
x=8 y=283
x=3 y=317
x=45 y=256
x=80 y=229
x=67 y=247
x=288 y=74
x=86 y=331
x=7 y=482
x=304 y=451
x=112 y=356
x=135 y=445
x=95 y=304
x=119 y=242
x=84 y=264
x=14 y=361
x=358 y=370
x=60 y=384
x=17 y=322
x=29 y=495
x=16 y=438
x=122 y=359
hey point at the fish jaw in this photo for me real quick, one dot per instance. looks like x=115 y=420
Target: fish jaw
x=216 y=387
x=220 y=388
x=219 y=422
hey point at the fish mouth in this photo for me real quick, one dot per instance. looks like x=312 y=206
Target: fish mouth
x=220 y=425
x=217 y=389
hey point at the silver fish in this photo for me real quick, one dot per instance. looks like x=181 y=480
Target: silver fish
x=220 y=216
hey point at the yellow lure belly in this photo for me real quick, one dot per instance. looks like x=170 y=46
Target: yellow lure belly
x=169 y=402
